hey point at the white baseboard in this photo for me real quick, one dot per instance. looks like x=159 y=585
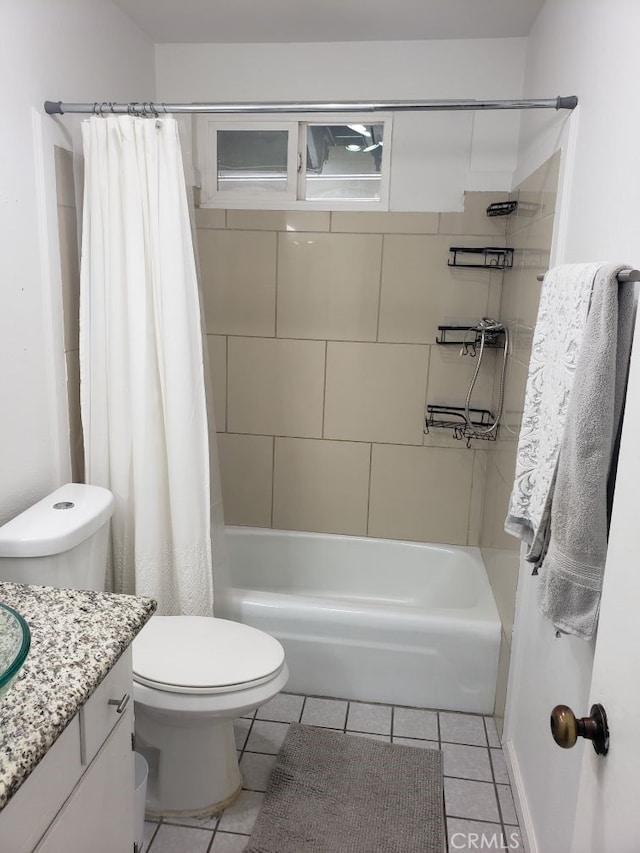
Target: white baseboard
x=520 y=800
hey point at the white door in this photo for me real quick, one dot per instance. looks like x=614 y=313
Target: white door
x=608 y=812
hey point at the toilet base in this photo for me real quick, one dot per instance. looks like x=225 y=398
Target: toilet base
x=210 y=811
x=193 y=769
x=189 y=744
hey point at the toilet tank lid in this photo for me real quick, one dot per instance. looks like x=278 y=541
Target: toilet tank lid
x=51 y=526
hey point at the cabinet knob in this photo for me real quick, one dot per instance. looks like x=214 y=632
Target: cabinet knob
x=566 y=728
x=121 y=704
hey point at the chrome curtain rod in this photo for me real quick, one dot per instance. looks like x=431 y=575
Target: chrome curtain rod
x=569 y=102
x=623 y=277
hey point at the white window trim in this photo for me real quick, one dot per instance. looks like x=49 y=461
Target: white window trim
x=206 y=158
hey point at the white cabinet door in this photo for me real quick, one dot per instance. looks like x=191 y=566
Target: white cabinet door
x=99 y=814
x=25 y=818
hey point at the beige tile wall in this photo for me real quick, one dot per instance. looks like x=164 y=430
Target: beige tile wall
x=321 y=485
x=70 y=276
x=529 y=231
x=321 y=336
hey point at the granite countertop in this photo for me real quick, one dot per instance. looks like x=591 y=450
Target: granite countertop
x=76 y=638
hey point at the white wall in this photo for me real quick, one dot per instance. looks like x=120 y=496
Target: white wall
x=71 y=50
x=436 y=156
x=576 y=47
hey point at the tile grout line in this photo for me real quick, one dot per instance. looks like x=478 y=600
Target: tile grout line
x=226 y=389
x=483 y=820
x=426 y=398
x=324 y=386
x=346 y=441
x=153 y=836
x=275 y=300
x=444 y=800
x=470 y=778
x=324 y=340
x=382 y=242
x=493 y=777
x=473 y=476
x=386 y=704
x=444 y=820
x=476 y=234
x=246 y=740
x=273 y=478
x=369 y=492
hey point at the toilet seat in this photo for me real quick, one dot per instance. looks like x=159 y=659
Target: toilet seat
x=203 y=656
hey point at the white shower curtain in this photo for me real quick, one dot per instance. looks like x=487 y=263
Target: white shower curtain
x=141 y=362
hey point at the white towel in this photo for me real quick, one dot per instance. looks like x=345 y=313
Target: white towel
x=557 y=340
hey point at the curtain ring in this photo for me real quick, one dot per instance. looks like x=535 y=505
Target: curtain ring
x=95 y=108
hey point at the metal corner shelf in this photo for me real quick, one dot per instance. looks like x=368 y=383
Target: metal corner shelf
x=454 y=418
x=502 y=208
x=491 y=258
x=493 y=340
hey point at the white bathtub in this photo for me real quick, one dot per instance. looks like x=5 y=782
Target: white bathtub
x=371 y=619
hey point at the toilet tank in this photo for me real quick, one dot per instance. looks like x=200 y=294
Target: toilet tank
x=60 y=541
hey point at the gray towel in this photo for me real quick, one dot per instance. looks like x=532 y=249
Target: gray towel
x=572 y=570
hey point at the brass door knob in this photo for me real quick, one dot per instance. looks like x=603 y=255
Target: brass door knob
x=566 y=728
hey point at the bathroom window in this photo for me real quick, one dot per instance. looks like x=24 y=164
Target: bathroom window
x=252 y=163
x=334 y=162
x=343 y=161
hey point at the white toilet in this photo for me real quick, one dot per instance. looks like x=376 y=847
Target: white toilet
x=192 y=674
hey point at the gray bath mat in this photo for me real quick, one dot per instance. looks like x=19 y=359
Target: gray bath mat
x=336 y=793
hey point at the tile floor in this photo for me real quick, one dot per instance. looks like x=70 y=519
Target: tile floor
x=479 y=808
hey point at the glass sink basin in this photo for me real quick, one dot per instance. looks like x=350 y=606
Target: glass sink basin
x=15 y=639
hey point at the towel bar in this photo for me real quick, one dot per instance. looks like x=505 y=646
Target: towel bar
x=623 y=277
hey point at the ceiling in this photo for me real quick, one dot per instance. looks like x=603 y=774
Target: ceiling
x=329 y=20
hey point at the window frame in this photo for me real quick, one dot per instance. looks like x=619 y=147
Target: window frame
x=296 y=124
x=249 y=197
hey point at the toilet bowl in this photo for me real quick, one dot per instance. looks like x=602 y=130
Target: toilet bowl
x=192 y=676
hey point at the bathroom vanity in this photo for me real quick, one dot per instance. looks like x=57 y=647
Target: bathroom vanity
x=66 y=759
